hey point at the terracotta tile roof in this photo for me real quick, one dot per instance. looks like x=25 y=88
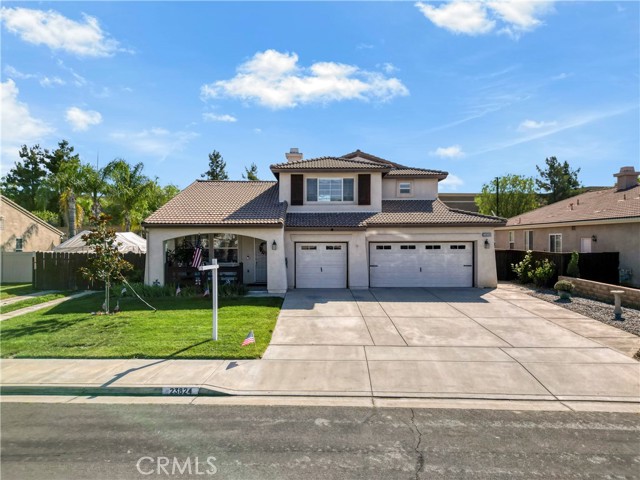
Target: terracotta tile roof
x=394 y=212
x=329 y=163
x=417 y=172
x=597 y=205
x=372 y=158
x=222 y=203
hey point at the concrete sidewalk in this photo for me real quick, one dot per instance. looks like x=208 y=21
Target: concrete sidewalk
x=40 y=306
x=407 y=343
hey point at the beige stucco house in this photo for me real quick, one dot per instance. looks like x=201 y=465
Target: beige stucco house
x=355 y=221
x=22 y=231
x=606 y=220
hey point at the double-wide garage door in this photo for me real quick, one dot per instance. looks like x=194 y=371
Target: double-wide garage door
x=421 y=264
x=321 y=265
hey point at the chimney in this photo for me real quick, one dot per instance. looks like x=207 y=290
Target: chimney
x=627 y=178
x=293 y=155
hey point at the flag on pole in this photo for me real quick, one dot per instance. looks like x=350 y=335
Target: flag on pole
x=196 y=260
x=178 y=291
x=250 y=339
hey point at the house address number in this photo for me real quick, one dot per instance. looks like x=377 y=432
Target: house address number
x=180 y=391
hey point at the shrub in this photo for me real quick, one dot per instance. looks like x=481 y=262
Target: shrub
x=232 y=290
x=543 y=272
x=524 y=269
x=564 y=286
x=572 y=268
x=169 y=290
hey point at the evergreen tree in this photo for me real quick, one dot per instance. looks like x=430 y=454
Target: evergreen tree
x=217 y=167
x=251 y=173
x=25 y=178
x=558 y=180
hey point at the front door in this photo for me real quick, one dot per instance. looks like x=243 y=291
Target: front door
x=261 y=260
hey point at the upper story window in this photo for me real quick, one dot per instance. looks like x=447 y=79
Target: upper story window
x=405 y=189
x=329 y=189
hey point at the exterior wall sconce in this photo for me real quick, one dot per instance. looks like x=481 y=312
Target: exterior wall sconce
x=274 y=245
x=486 y=243
x=594 y=238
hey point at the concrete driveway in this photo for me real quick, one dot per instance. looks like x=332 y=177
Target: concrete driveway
x=470 y=343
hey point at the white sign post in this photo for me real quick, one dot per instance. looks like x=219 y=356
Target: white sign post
x=214 y=293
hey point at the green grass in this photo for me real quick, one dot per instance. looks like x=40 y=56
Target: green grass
x=28 y=302
x=181 y=328
x=9 y=290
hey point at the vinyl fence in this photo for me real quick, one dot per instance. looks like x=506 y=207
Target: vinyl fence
x=61 y=270
x=599 y=267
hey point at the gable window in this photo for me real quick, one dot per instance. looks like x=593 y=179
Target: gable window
x=225 y=248
x=555 y=242
x=18 y=244
x=528 y=239
x=329 y=189
x=512 y=240
x=404 y=189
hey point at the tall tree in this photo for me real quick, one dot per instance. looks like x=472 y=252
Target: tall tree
x=128 y=190
x=510 y=196
x=96 y=186
x=217 y=167
x=54 y=160
x=251 y=173
x=558 y=180
x=23 y=181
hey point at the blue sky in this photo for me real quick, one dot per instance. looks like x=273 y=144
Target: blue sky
x=476 y=89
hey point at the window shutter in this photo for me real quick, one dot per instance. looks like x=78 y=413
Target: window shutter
x=364 y=189
x=297 y=189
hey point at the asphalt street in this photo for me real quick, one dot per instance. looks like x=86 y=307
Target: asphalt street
x=119 y=441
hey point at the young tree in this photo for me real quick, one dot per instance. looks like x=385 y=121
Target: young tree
x=106 y=262
x=217 y=167
x=514 y=195
x=251 y=173
x=23 y=181
x=558 y=180
x=128 y=190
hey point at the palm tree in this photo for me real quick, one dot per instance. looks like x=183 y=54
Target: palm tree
x=96 y=186
x=128 y=189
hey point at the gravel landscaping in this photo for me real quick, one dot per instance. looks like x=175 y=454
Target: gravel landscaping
x=603 y=312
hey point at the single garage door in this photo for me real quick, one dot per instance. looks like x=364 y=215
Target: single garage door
x=321 y=265
x=432 y=264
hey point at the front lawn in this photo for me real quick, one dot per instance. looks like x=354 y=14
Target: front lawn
x=28 y=302
x=181 y=328
x=9 y=290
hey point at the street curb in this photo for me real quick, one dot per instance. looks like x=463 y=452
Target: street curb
x=99 y=391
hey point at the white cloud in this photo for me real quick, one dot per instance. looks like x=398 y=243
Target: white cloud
x=459 y=16
x=50 y=28
x=18 y=126
x=212 y=117
x=477 y=18
x=81 y=120
x=13 y=72
x=51 y=81
x=275 y=80
x=533 y=125
x=257 y=130
x=454 y=151
x=157 y=142
x=387 y=67
x=451 y=183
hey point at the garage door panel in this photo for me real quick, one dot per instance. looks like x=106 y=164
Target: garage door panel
x=321 y=265
x=421 y=264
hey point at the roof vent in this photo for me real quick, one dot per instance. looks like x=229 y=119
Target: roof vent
x=293 y=155
x=627 y=178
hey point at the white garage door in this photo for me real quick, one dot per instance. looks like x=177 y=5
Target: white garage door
x=321 y=265
x=421 y=264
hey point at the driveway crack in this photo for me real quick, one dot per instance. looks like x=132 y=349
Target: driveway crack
x=419 y=454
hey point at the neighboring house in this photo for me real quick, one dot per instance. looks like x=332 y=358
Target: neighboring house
x=21 y=234
x=354 y=221
x=460 y=201
x=128 y=242
x=22 y=231
x=605 y=220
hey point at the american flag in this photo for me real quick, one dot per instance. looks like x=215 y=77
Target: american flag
x=178 y=291
x=250 y=339
x=196 y=260
x=206 y=292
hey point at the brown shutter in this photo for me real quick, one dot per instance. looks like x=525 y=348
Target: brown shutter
x=297 y=189
x=364 y=189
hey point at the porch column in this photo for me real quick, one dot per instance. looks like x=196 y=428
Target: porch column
x=276 y=268
x=154 y=262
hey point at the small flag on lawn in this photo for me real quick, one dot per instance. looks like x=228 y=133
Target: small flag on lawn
x=196 y=260
x=117 y=309
x=250 y=339
x=178 y=291
x=124 y=290
x=104 y=306
x=206 y=292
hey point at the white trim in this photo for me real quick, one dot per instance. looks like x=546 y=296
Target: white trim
x=399 y=184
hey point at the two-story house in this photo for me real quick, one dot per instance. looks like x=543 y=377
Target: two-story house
x=355 y=221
